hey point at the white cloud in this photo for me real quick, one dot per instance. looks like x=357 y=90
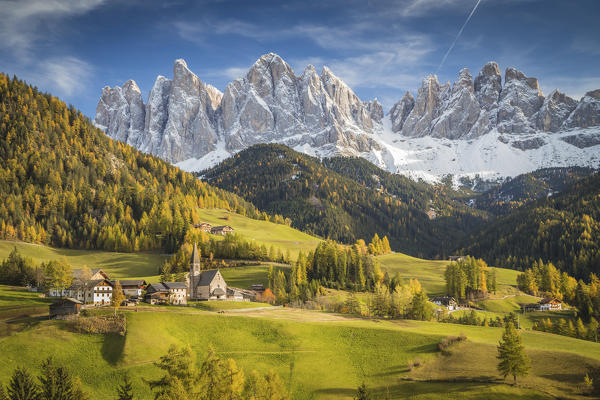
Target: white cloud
x=24 y=22
x=65 y=75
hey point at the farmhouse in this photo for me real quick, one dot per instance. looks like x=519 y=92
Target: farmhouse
x=221 y=230
x=63 y=307
x=132 y=288
x=95 y=291
x=456 y=258
x=547 y=304
x=166 y=293
x=204 y=226
x=445 y=301
x=550 y=304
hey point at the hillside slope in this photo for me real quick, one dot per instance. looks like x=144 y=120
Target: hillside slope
x=564 y=229
x=63 y=182
x=416 y=218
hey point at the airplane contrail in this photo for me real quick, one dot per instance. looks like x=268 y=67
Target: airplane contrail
x=458 y=36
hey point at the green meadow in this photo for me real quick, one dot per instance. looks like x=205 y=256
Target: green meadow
x=430 y=273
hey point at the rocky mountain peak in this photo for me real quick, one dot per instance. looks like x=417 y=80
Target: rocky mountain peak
x=400 y=111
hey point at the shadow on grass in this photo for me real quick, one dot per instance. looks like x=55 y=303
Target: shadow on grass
x=112 y=347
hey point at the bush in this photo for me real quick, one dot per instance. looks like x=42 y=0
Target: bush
x=448 y=341
x=101 y=325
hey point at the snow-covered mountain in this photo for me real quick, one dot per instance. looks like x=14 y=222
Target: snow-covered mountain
x=472 y=127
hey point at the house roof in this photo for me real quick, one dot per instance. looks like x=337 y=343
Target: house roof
x=130 y=282
x=66 y=300
x=157 y=287
x=221 y=227
x=175 y=285
x=218 y=292
x=195 y=256
x=78 y=284
x=443 y=299
x=550 y=300
x=207 y=277
x=77 y=272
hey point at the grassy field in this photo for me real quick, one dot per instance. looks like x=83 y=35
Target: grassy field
x=117 y=265
x=431 y=273
x=280 y=236
x=318 y=355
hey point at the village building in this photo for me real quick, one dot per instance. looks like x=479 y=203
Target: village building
x=204 y=285
x=456 y=258
x=204 y=226
x=547 y=304
x=65 y=307
x=95 y=291
x=166 y=293
x=221 y=230
x=448 y=302
x=132 y=288
x=258 y=287
x=235 y=294
x=97 y=273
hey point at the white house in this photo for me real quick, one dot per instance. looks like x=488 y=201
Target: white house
x=95 y=291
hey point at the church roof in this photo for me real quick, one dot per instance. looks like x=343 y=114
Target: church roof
x=195 y=255
x=207 y=277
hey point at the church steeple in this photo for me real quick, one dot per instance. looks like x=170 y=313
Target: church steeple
x=194 y=275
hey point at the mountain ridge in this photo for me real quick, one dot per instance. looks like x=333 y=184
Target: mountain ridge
x=188 y=122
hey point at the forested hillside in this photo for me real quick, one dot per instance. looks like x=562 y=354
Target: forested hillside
x=63 y=182
x=514 y=193
x=563 y=229
x=414 y=216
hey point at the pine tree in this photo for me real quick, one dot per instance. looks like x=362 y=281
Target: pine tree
x=362 y=393
x=125 y=391
x=22 y=386
x=511 y=353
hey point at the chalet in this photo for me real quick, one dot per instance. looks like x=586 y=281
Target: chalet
x=204 y=226
x=448 y=302
x=166 y=293
x=65 y=307
x=221 y=230
x=132 y=288
x=95 y=291
x=78 y=281
x=456 y=258
x=550 y=304
x=547 y=304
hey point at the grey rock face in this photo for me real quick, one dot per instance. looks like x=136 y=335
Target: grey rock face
x=554 y=111
x=426 y=108
x=587 y=112
x=519 y=100
x=400 y=111
x=488 y=85
x=375 y=110
x=121 y=111
x=460 y=110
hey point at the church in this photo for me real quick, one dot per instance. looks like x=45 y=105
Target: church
x=204 y=285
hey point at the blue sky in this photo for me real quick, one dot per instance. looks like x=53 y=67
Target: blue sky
x=72 y=48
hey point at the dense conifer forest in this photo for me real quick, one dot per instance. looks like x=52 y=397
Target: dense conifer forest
x=563 y=229
x=64 y=183
x=356 y=203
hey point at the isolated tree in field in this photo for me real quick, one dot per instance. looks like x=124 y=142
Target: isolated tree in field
x=511 y=353
x=362 y=393
x=22 y=386
x=117 y=296
x=124 y=390
x=58 y=275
